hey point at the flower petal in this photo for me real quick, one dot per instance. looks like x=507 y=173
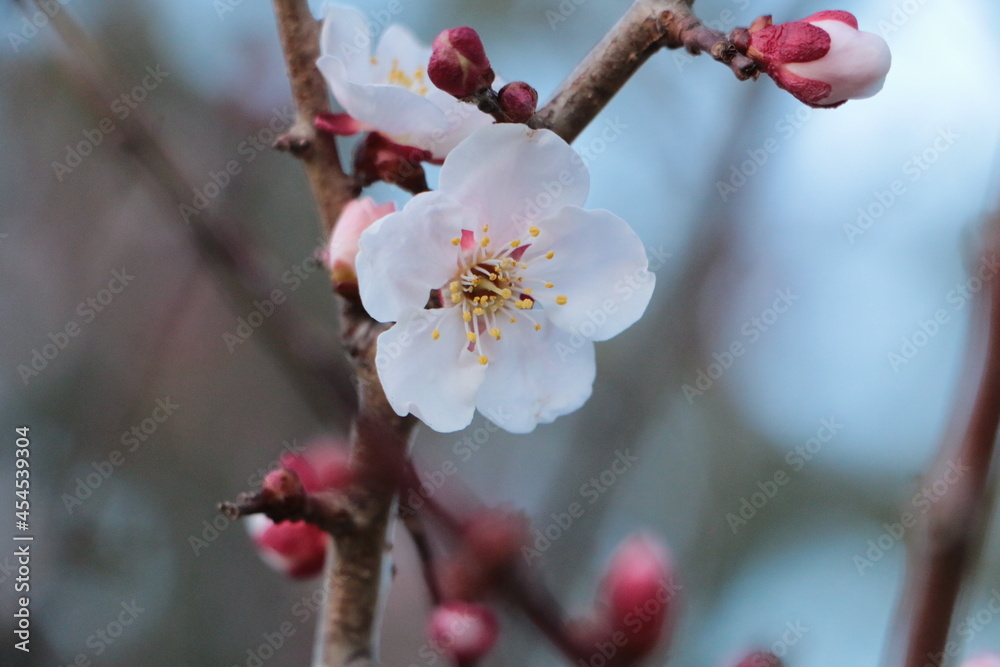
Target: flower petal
x=405 y=255
x=512 y=176
x=434 y=378
x=534 y=377
x=598 y=264
x=345 y=37
x=855 y=67
x=400 y=49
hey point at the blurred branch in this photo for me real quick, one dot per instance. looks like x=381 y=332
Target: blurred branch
x=947 y=546
x=647 y=26
x=238 y=263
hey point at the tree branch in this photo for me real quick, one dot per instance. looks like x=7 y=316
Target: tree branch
x=951 y=534
x=647 y=26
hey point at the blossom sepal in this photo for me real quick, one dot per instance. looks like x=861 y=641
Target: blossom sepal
x=823 y=60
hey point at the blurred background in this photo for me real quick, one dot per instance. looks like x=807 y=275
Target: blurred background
x=836 y=247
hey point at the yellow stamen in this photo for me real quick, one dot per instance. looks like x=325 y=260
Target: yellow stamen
x=534 y=231
x=486 y=228
x=561 y=300
x=550 y=254
x=527 y=290
x=538 y=327
x=419 y=74
x=513 y=320
x=456 y=297
x=456 y=241
x=505 y=293
x=549 y=285
x=515 y=243
x=471 y=336
x=467 y=316
x=485 y=242
x=495 y=333
x=477 y=311
x=483 y=360
x=454 y=286
x=435 y=334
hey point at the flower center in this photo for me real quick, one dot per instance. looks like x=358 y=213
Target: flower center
x=415 y=82
x=489 y=287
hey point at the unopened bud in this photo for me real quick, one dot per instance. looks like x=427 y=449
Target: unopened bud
x=357 y=216
x=463 y=631
x=458 y=64
x=282 y=484
x=638 y=586
x=377 y=158
x=295 y=548
x=760 y=659
x=518 y=101
x=823 y=60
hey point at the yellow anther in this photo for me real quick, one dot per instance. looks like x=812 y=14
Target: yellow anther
x=456 y=241
x=534 y=231
x=471 y=336
x=435 y=334
x=550 y=285
x=538 y=327
x=523 y=265
x=467 y=316
x=483 y=360
x=485 y=242
x=550 y=254
x=493 y=276
x=454 y=286
x=422 y=91
x=486 y=228
x=374 y=60
x=419 y=74
x=515 y=243
x=477 y=311
x=561 y=300
x=513 y=320
x=505 y=293
x=527 y=290
x=495 y=333
x=456 y=297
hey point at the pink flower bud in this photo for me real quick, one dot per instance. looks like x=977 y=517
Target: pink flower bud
x=357 y=216
x=518 y=101
x=458 y=64
x=823 y=60
x=983 y=660
x=282 y=484
x=760 y=659
x=295 y=548
x=463 y=631
x=638 y=586
x=325 y=462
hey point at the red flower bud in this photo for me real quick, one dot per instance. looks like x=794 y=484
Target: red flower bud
x=638 y=585
x=295 y=548
x=458 y=64
x=823 y=60
x=760 y=659
x=379 y=159
x=518 y=101
x=282 y=484
x=463 y=631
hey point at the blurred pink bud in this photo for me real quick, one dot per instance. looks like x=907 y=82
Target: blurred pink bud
x=823 y=60
x=463 y=631
x=282 y=484
x=357 y=216
x=640 y=592
x=324 y=463
x=458 y=64
x=760 y=659
x=295 y=548
x=983 y=660
x=518 y=101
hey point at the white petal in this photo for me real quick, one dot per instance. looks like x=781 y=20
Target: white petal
x=400 y=48
x=855 y=67
x=512 y=176
x=405 y=255
x=599 y=265
x=463 y=119
x=404 y=116
x=534 y=377
x=345 y=37
x=435 y=380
